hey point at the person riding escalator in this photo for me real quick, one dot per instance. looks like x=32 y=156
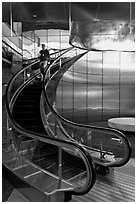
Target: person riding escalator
x=44 y=59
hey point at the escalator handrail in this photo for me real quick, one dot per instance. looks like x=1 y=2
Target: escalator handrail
x=18 y=73
x=58 y=142
x=96 y=128
x=25 y=84
x=37 y=58
x=10 y=83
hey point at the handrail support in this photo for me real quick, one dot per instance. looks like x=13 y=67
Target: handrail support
x=59 y=166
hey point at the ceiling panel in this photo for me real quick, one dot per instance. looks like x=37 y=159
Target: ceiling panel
x=55 y=11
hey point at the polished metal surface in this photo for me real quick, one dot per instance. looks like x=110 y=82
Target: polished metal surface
x=99 y=86
x=103 y=34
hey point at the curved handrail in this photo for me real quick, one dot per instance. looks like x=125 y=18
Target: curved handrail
x=94 y=128
x=37 y=58
x=66 y=144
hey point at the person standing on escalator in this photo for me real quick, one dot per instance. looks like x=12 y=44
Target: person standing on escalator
x=44 y=59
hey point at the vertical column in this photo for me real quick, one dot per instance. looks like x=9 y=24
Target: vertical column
x=8 y=129
x=87 y=88
x=11 y=22
x=102 y=87
x=73 y=95
x=119 y=79
x=62 y=95
x=34 y=45
x=70 y=17
x=47 y=40
x=130 y=7
x=60 y=38
x=21 y=34
x=59 y=166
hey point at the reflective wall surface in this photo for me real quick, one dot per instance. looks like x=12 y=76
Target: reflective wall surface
x=103 y=34
x=99 y=86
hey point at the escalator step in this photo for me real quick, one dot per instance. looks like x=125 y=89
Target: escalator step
x=20 y=114
x=34 y=128
x=30 y=116
x=25 y=120
x=26 y=108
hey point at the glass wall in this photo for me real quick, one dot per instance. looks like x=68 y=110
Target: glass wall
x=54 y=39
x=11 y=52
x=11 y=63
x=30 y=45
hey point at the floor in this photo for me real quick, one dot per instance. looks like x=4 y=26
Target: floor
x=114 y=187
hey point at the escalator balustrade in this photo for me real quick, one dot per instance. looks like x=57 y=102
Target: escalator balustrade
x=35 y=162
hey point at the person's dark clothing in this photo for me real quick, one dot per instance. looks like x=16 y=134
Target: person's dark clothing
x=44 y=55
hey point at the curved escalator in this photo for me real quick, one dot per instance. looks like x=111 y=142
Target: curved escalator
x=40 y=167
x=50 y=157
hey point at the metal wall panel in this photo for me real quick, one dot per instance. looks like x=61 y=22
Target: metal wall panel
x=67 y=98
x=101 y=86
